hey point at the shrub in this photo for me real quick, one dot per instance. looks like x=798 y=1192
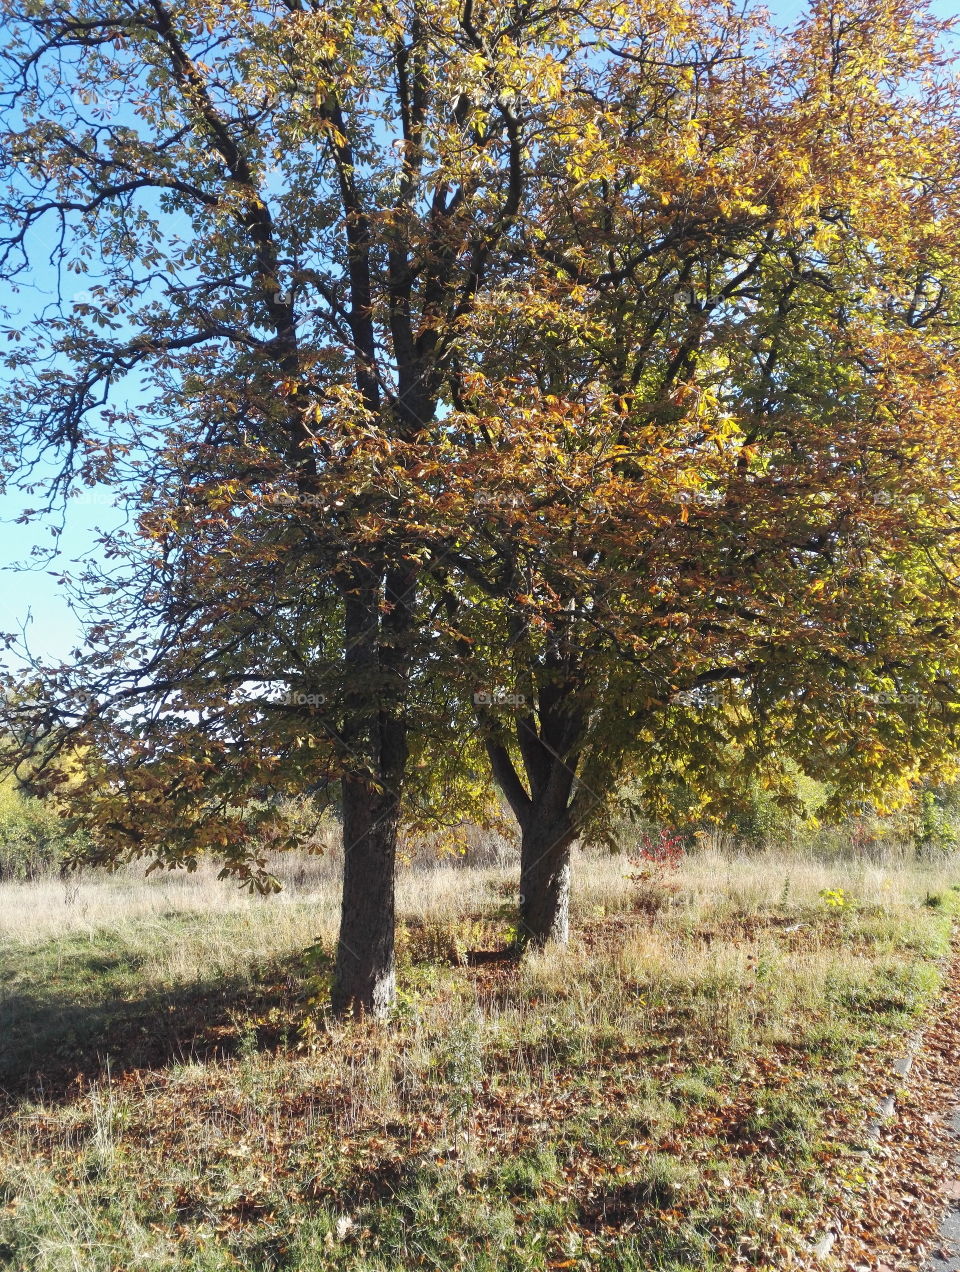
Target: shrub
x=657 y=862
x=34 y=838
x=934 y=828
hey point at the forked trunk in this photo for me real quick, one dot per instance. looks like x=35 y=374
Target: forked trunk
x=365 y=975
x=545 y=809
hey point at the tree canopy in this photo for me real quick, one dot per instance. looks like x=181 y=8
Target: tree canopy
x=722 y=547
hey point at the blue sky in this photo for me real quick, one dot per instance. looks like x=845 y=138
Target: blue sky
x=32 y=597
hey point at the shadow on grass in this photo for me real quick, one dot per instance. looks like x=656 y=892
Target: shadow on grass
x=61 y=1026
x=73 y=1005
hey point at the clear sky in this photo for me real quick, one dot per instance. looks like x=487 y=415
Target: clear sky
x=32 y=597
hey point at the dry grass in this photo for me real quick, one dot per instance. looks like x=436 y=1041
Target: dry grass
x=681 y=1088
x=91 y=901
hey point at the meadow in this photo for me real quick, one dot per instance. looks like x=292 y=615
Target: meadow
x=687 y=1086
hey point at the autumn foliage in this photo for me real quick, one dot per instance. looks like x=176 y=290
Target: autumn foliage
x=568 y=396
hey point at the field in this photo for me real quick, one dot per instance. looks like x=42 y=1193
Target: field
x=687 y=1086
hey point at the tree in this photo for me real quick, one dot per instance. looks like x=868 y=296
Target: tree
x=723 y=547
x=282 y=215
x=589 y=362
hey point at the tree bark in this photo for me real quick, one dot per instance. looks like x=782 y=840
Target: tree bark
x=545 y=844
x=365 y=975
x=548 y=831
x=375 y=737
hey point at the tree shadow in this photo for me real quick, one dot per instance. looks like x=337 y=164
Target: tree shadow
x=56 y=1038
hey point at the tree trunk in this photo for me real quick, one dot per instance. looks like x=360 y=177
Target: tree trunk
x=375 y=731
x=364 y=980
x=547 y=821
x=545 y=846
x=365 y=975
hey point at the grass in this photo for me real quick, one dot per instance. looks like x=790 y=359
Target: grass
x=684 y=1087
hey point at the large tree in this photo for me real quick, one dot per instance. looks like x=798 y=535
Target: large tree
x=723 y=545
x=258 y=232
x=566 y=363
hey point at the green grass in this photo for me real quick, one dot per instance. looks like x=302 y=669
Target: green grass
x=681 y=1093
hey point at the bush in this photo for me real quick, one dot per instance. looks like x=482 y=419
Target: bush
x=925 y=827
x=34 y=838
x=935 y=824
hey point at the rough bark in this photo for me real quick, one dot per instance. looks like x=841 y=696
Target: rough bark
x=365 y=976
x=545 y=846
x=544 y=810
x=375 y=733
